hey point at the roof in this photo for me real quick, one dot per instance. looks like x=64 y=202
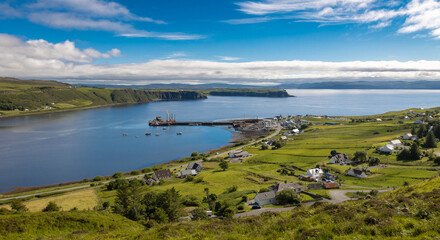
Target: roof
x=188 y=172
x=194 y=165
x=331 y=185
x=281 y=186
x=395 y=142
x=340 y=156
x=266 y=195
x=166 y=173
x=240 y=154
x=357 y=171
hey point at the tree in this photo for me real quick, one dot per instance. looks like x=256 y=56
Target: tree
x=224 y=165
x=116 y=184
x=360 y=156
x=18 y=206
x=129 y=201
x=415 y=152
x=170 y=201
x=287 y=196
x=333 y=153
x=118 y=175
x=437 y=160
x=436 y=130
x=413 y=130
x=430 y=141
x=199 y=214
x=52 y=207
x=421 y=131
x=373 y=161
x=194 y=154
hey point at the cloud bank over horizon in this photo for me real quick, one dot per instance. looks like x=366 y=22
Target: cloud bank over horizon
x=63 y=61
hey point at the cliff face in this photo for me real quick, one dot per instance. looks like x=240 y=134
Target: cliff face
x=35 y=98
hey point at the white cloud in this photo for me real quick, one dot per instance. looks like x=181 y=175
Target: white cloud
x=64 y=61
x=97 y=15
x=419 y=15
x=40 y=51
x=226 y=58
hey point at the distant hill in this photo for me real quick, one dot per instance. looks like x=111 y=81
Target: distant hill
x=315 y=85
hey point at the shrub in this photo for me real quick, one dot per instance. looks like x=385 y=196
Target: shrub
x=232 y=189
x=52 y=207
x=199 y=214
x=18 y=206
x=117 y=175
x=135 y=172
x=117 y=184
x=189 y=178
x=98 y=178
x=240 y=208
x=224 y=165
x=287 y=196
x=146 y=170
x=264 y=190
x=198 y=180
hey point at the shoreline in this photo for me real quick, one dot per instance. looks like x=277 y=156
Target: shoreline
x=235 y=138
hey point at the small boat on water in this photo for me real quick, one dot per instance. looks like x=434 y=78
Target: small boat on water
x=148 y=134
x=179 y=133
x=157 y=134
x=164 y=128
x=125 y=134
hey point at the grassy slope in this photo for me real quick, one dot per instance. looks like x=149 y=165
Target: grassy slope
x=410 y=212
x=35 y=95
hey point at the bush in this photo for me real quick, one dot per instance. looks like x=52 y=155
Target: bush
x=52 y=207
x=240 y=208
x=118 y=175
x=287 y=196
x=224 y=165
x=232 y=189
x=98 y=178
x=18 y=206
x=189 y=178
x=199 y=214
x=198 y=180
x=117 y=184
x=146 y=170
x=264 y=190
x=135 y=172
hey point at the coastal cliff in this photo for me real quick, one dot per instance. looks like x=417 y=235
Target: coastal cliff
x=248 y=92
x=28 y=96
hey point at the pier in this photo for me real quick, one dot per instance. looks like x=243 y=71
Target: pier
x=234 y=123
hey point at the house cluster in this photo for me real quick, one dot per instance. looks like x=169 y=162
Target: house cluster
x=270 y=123
x=192 y=169
x=294 y=131
x=265 y=198
x=390 y=147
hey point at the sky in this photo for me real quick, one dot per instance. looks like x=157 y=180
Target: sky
x=255 y=42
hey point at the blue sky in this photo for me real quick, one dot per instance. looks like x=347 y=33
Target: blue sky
x=199 y=41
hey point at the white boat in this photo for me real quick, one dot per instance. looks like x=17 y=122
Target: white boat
x=157 y=134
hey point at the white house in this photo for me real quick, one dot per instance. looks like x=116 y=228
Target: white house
x=265 y=198
x=406 y=117
x=283 y=138
x=314 y=173
x=419 y=121
x=356 y=172
x=387 y=148
x=395 y=143
x=378 y=120
x=295 y=131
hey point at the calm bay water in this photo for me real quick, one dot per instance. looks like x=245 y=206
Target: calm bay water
x=60 y=147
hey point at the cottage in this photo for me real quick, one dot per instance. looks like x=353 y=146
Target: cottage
x=378 y=120
x=419 y=121
x=406 y=117
x=395 y=143
x=185 y=173
x=340 y=158
x=195 y=166
x=238 y=154
x=265 y=198
x=283 y=138
x=331 y=185
x=314 y=173
x=284 y=185
x=356 y=172
x=387 y=148
x=162 y=174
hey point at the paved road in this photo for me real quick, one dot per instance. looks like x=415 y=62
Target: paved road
x=337 y=197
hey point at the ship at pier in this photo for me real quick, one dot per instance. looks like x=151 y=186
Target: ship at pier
x=158 y=121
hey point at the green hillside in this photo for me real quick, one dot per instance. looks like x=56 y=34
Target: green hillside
x=410 y=212
x=29 y=96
